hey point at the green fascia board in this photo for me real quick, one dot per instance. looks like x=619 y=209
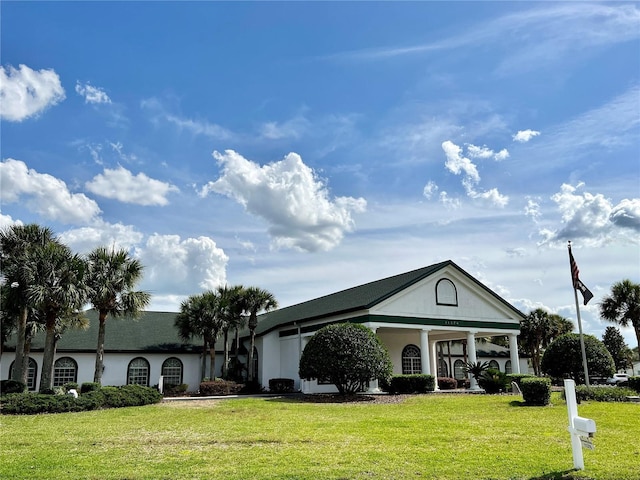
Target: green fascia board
x=440 y=322
x=363 y=297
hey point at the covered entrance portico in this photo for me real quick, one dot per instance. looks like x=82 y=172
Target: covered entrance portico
x=397 y=337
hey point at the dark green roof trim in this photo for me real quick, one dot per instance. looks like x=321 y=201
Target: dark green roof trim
x=360 y=298
x=440 y=322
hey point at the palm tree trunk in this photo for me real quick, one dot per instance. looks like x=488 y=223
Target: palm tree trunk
x=21 y=363
x=97 y=374
x=251 y=375
x=212 y=360
x=225 y=361
x=46 y=378
x=203 y=366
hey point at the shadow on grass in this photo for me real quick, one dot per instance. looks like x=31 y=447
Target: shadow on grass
x=565 y=475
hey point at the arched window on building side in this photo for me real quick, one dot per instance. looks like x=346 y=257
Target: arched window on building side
x=65 y=370
x=32 y=373
x=494 y=364
x=171 y=372
x=507 y=367
x=411 y=362
x=458 y=370
x=138 y=372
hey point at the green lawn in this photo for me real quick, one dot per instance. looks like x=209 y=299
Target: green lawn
x=425 y=437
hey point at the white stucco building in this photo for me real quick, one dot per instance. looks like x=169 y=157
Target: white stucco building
x=431 y=320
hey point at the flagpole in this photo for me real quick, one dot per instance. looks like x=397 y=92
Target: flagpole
x=582 y=348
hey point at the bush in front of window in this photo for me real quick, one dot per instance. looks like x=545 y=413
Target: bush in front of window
x=414 y=383
x=447 y=383
x=536 y=391
x=12 y=386
x=216 y=388
x=281 y=385
x=175 y=390
x=106 y=397
x=87 y=387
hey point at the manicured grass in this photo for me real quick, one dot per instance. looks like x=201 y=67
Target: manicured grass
x=425 y=437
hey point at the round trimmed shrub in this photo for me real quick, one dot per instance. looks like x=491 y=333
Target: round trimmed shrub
x=347 y=355
x=12 y=386
x=563 y=358
x=447 y=383
x=281 y=385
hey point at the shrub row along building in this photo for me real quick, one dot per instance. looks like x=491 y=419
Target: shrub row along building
x=431 y=320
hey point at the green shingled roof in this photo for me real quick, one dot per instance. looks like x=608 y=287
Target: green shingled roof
x=350 y=300
x=152 y=332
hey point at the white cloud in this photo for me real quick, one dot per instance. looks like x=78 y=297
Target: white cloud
x=45 y=194
x=7 y=221
x=524 y=136
x=195 y=127
x=92 y=94
x=429 y=189
x=490 y=197
x=122 y=185
x=532 y=209
x=456 y=163
x=485 y=152
x=447 y=201
x=25 y=92
x=292 y=129
x=116 y=235
x=290 y=197
x=182 y=267
x=593 y=218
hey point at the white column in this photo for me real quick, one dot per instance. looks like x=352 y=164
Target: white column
x=425 y=362
x=373 y=383
x=434 y=362
x=513 y=351
x=471 y=350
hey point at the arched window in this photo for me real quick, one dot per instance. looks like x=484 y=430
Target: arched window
x=458 y=370
x=138 y=372
x=65 y=370
x=443 y=370
x=411 y=360
x=446 y=293
x=172 y=371
x=494 y=364
x=32 y=373
x=507 y=367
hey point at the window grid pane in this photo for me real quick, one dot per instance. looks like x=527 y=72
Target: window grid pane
x=138 y=372
x=411 y=360
x=172 y=371
x=64 y=371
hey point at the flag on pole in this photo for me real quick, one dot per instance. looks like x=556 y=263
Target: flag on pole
x=577 y=284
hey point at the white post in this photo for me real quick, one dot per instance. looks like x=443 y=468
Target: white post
x=373 y=383
x=513 y=352
x=424 y=352
x=434 y=362
x=572 y=409
x=471 y=350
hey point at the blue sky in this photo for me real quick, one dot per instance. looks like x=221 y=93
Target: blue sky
x=310 y=147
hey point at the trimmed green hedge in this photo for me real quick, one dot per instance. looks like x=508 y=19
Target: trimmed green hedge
x=517 y=377
x=12 y=386
x=536 y=391
x=634 y=383
x=106 y=397
x=416 y=383
x=447 y=383
x=220 y=387
x=281 y=385
x=602 y=393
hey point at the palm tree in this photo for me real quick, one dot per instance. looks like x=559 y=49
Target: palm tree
x=18 y=248
x=257 y=300
x=57 y=288
x=113 y=276
x=538 y=330
x=230 y=309
x=199 y=317
x=623 y=305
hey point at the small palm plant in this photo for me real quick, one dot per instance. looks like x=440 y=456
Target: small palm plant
x=476 y=369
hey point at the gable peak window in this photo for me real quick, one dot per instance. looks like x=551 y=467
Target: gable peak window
x=446 y=293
